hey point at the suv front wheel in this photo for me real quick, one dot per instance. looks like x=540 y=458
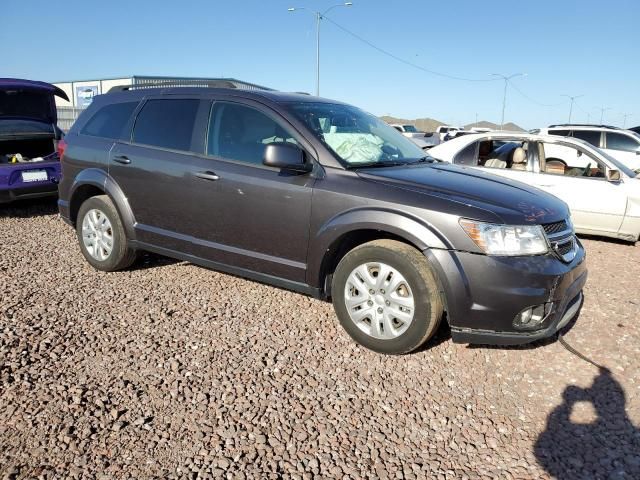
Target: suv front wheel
x=101 y=235
x=386 y=296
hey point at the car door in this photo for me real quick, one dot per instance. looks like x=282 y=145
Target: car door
x=157 y=169
x=254 y=217
x=596 y=204
x=624 y=147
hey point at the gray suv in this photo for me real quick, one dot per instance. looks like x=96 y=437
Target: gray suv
x=322 y=198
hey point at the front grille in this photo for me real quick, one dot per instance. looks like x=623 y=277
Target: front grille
x=562 y=240
x=557 y=227
x=565 y=248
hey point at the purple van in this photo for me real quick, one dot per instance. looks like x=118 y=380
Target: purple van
x=29 y=136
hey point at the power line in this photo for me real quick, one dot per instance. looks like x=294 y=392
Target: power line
x=405 y=61
x=434 y=72
x=548 y=105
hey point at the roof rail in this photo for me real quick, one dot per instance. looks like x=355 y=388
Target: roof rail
x=189 y=82
x=584 y=125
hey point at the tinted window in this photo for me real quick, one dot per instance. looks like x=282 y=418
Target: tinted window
x=467 y=156
x=166 y=123
x=589 y=136
x=618 y=141
x=242 y=133
x=109 y=121
x=561 y=133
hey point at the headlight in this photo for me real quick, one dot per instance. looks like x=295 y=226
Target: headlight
x=495 y=239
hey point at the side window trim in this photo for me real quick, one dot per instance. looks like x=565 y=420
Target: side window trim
x=303 y=143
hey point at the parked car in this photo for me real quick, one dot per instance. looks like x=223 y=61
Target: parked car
x=621 y=144
x=322 y=198
x=603 y=194
x=424 y=140
x=635 y=129
x=29 y=137
x=446 y=131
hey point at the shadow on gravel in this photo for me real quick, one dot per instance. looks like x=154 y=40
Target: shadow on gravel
x=148 y=260
x=608 y=447
x=29 y=208
x=616 y=241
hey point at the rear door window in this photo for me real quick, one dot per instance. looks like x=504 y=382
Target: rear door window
x=619 y=141
x=109 y=121
x=167 y=123
x=589 y=136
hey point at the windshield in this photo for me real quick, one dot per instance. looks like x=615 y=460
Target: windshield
x=410 y=128
x=357 y=138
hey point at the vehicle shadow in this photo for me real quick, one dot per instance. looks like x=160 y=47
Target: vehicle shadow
x=607 y=447
x=616 y=241
x=147 y=260
x=29 y=208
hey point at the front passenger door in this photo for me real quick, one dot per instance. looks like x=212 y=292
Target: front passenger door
x=256 y=217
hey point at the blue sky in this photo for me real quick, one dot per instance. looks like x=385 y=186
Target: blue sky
x=566 y=47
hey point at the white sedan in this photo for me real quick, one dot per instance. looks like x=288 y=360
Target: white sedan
x=603 y=194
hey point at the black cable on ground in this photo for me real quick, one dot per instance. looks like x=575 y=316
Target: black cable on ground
x=575 y=352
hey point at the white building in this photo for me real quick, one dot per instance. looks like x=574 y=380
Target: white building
x=81 y=92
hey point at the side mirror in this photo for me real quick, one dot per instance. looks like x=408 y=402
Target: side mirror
x=285 y=156
x=613 y=176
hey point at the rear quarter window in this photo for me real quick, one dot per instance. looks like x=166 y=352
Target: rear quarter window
x=619 y=141
x=109 y=121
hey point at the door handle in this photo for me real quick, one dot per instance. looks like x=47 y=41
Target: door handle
x=208 y=175
x=122 y=159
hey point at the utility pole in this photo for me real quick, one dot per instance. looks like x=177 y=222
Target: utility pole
x=319 y=16
x=504 y=96
x=625 y=115
x=571 y=105
x=602 y=110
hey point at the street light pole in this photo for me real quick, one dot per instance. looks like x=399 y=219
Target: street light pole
x=504 y=96
x=319 y=16
x=602 y=110
x=571 y=106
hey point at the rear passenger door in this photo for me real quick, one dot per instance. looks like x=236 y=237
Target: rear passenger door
x=156 y=167
x=255 y=217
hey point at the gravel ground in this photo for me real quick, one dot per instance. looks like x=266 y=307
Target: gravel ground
x=171 y=370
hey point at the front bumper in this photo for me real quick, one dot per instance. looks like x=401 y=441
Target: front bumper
x=13 y=187
x=483 y=294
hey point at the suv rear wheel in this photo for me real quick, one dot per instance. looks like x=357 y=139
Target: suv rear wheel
x=386 y=296
x=101 y=235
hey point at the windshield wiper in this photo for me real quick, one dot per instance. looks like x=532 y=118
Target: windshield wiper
x=380 y=163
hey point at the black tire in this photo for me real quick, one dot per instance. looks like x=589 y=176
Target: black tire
x=121 y=255
x=411 y=264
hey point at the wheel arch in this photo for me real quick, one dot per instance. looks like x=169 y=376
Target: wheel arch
x=92 y=182
x=351 y=229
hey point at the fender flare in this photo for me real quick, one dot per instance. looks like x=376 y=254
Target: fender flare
x=412 y=229
x=100 y=179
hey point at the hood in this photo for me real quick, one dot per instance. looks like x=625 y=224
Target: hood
x=513 y=202
x=29 y=100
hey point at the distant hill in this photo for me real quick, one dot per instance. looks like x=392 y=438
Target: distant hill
x=430 y=124
x=423 y=124
x=512 y=127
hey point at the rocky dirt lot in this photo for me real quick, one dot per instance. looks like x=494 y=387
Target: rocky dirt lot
x=169 y=370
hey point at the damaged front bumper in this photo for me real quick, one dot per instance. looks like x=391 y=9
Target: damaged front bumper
x=485 y=294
